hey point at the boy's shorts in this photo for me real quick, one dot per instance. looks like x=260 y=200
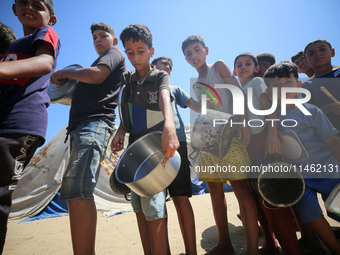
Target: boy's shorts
x=16 y=151
x=153 y=207
x=308 y=206
x=181 y=186
x=88 y=143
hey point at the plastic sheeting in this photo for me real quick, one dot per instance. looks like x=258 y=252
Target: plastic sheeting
x=37 y=193
x=42 y=178
x=55 y=208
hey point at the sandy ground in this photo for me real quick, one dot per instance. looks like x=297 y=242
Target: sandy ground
x=118 y=235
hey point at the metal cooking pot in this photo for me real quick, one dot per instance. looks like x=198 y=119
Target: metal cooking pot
x=140 y=167
x=278 y=183
x=212 y=133
x=123 y=108
x=62 y=93
x=117 y=187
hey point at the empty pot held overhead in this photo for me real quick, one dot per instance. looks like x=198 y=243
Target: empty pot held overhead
x=140 y=167
x=62 y=93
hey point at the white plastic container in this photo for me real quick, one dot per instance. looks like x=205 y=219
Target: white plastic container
x=332 y=203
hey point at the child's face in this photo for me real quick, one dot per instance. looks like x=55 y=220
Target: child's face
x=139 y=54
x=319 y=54
x=102 y=40
x=195 y=54
x=285 y=82
x=303 y=66
x=33 y=14
x=245 y=67
x=164 y=65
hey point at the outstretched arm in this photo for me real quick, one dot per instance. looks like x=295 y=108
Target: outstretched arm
x=193 y=105
x=196 y=106
x=91 y=75
x=331 y=108
x=38 y=65
x=333 y=144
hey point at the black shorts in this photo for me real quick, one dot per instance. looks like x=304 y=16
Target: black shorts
x=181 y=186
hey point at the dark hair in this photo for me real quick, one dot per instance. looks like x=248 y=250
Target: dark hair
x=315 y=41
x=266 y=57
x=103 y=26
x=49 y=5
x=192 y=39
x=155 y=61
x=248 y=54
x=297 y=55
x=283 y=69
x=7 y=37
x=137 y=32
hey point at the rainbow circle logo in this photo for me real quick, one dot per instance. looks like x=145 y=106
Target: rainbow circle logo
x=209 y=93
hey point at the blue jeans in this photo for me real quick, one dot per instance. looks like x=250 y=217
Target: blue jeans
x=88 y=144
x=153 y=207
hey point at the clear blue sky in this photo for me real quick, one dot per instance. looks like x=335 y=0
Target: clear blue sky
x=228 y=27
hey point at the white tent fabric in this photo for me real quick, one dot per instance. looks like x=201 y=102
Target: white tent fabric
x=42 y=179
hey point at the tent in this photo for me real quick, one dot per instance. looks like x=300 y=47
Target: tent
x=39 y=185
x=37 y=193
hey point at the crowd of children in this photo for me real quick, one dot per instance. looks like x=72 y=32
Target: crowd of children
x=23 y=123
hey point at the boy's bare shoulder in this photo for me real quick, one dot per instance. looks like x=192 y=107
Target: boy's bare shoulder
x=220 y=63
x=222 y=69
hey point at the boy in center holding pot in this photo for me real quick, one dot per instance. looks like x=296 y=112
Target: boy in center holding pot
x=195 y=53
x=149 y=92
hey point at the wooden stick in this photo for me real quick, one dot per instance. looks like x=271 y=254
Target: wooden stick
x=324 y=90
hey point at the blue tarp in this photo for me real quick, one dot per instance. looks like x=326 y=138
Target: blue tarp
x=199 y=187
x=55 y=208
x=58 y=208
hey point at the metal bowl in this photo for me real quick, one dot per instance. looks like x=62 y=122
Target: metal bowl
x=62 y=93
x=140 y=167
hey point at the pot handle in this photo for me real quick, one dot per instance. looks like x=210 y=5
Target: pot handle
x=114 y=153
x=128 y=197
x=273 y=157
x=195 y=153
x=269 y=206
